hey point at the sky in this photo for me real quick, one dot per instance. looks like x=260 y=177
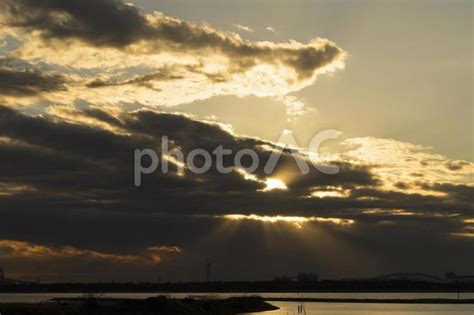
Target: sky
x=86 y=83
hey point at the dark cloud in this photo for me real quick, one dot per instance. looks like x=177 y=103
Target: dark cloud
x=402 y=185
x=21 y=82
x=69 y=178
x=144 y=80
x=456 y=165
x=116 y=24
x=53 y=262
x=78 y=159
x=455 y=192
x=102 y=23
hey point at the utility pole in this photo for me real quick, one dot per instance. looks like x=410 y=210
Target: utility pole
x=207 y=268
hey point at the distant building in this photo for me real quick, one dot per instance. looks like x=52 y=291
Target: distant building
x=283 y=279
x=307 y=277
x=300 y=277
x=453 y=277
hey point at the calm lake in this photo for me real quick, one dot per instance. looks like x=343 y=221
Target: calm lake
x=290 y=308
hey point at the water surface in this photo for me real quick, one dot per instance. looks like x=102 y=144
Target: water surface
x=291 y=308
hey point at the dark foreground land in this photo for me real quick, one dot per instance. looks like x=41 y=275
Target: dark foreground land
x=188 y=306
x=157 y=305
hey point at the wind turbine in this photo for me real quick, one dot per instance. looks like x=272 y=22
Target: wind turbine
x=207 y=269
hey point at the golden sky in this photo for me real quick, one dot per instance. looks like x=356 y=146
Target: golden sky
x=84 y=83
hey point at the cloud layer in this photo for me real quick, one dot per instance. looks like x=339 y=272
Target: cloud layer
x=74 y=168
x=17 y=81
x=50 y=263
x=119 y=44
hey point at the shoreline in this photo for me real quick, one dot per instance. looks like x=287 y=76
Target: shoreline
x=155 y=305
x=94 y=304
x=229 y=292
x=374 y=301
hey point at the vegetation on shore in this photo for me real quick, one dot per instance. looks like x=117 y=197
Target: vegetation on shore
x=157 y=305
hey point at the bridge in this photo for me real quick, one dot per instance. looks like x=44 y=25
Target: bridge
x=413 y=276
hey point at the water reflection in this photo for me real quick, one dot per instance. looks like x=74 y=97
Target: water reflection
x=291 y=308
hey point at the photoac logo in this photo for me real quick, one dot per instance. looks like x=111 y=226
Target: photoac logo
x=286 y=142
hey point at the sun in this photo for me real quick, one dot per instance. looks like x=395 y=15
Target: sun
x=274 y=183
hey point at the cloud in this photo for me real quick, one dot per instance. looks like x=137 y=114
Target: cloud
x=14 y=249
x=294 y=106
x=270 y=29
x=42 y=150
x=100 y=23
x=405 y=164
x=243 y=28
x=71 y=170
x=27 y=82
x=117 y=24
x=115 y=49
x=160 y=75
x=456 y=165
x=56 y=262
x=297 y=221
